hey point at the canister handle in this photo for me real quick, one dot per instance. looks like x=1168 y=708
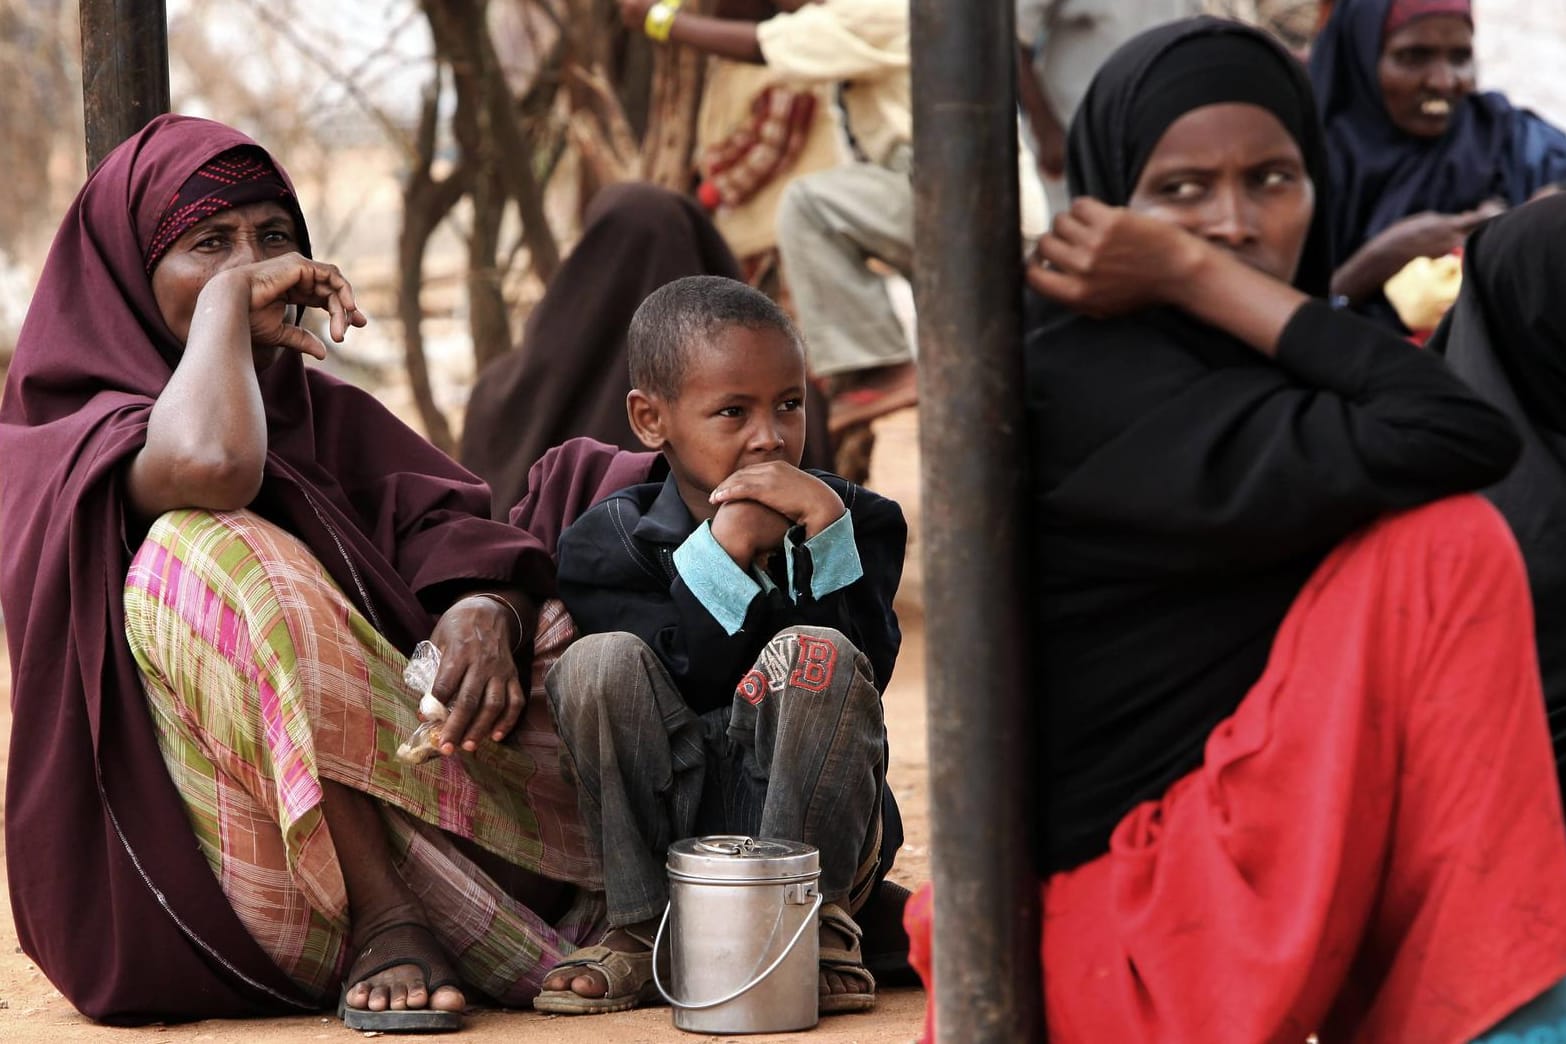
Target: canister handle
x=810 y=918
x=726 y=844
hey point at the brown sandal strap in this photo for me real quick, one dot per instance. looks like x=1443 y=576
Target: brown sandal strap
x=625 y=974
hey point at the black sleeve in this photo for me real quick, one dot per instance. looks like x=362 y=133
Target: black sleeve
x=862 y=611
x=864 y=608
x=1201 y=467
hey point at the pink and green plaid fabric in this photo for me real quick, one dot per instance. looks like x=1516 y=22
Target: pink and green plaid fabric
x=264 y=680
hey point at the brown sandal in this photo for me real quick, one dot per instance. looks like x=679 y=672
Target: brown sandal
x=847 y=962
x=628 y=978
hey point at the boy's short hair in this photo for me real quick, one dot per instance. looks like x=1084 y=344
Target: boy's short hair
x=691 y=311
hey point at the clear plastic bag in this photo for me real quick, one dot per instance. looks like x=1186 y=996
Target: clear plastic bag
x=419 y=676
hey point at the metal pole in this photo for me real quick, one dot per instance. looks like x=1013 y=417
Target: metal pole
x=968 y=289
x=125 y=70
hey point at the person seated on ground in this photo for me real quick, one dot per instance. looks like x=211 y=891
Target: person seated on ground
x=1418 y=157
x=568 y=378
x=1291 y=734
x=727 y=613
x=830 y=222
x=215 y=562
x=1506 y=336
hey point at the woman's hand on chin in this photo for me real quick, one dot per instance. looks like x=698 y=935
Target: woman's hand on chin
x=1105 y=261
x=268 y=287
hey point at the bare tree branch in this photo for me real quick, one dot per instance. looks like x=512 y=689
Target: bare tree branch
x=285 y=28
x=426 y=202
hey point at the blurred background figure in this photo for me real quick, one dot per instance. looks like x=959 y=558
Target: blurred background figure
x=1064 y=42
x=831 y=223
x=1418 y=156
x=1507 y=338
x=754 y=134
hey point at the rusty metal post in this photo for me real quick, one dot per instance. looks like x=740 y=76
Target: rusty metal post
x=125 y=70
x=968 y=291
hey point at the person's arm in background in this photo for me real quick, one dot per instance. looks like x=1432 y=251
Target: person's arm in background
x=731 y=38
x=1422 y=235
x=1049 y=134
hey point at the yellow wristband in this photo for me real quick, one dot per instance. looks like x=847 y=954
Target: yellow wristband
x=660 y=19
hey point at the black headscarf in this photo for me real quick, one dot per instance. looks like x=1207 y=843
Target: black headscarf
x=1506 y=336
x=1153 y=620
x=1379 y=174
x=1164 y=73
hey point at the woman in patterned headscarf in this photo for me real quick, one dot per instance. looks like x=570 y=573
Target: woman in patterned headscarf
x=215 y=562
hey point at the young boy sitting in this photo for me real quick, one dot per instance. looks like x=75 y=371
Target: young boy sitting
x=738 y=631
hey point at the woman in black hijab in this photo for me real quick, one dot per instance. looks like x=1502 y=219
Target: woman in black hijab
x=1506 y=335
x=1274 y=689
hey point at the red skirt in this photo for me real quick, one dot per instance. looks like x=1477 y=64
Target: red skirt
x=1373 y=846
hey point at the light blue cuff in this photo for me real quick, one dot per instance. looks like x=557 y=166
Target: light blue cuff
x=719 y=584
x=834 y=558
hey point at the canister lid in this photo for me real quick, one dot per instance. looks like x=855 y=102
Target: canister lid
x=735 y=857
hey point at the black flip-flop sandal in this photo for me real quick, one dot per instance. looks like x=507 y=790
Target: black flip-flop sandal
x=407 y=942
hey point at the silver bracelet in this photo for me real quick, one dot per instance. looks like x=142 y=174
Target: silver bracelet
x=496 y=598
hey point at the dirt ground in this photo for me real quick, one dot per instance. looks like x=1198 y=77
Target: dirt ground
x=32 y=1010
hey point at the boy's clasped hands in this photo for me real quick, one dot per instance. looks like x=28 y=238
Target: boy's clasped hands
x=760 y=503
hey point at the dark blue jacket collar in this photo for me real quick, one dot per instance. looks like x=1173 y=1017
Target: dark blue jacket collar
x=667 y=520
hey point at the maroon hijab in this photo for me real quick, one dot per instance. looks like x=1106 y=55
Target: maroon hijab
x=110 y=895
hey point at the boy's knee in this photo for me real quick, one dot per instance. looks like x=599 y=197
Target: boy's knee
x=591 y=674
x=837 y=638
x=823 y=658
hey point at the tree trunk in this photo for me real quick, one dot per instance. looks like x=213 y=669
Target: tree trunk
x=425 y=203
x=473 y=127
x=488 y=130
x=462 y=37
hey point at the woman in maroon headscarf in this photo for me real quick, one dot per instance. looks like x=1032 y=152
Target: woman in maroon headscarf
x=215 y=560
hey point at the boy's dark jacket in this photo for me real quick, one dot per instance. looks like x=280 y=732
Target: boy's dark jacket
x=617 y=574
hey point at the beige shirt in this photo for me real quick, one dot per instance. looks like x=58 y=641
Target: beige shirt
x=725 y=104
x=863 y=44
